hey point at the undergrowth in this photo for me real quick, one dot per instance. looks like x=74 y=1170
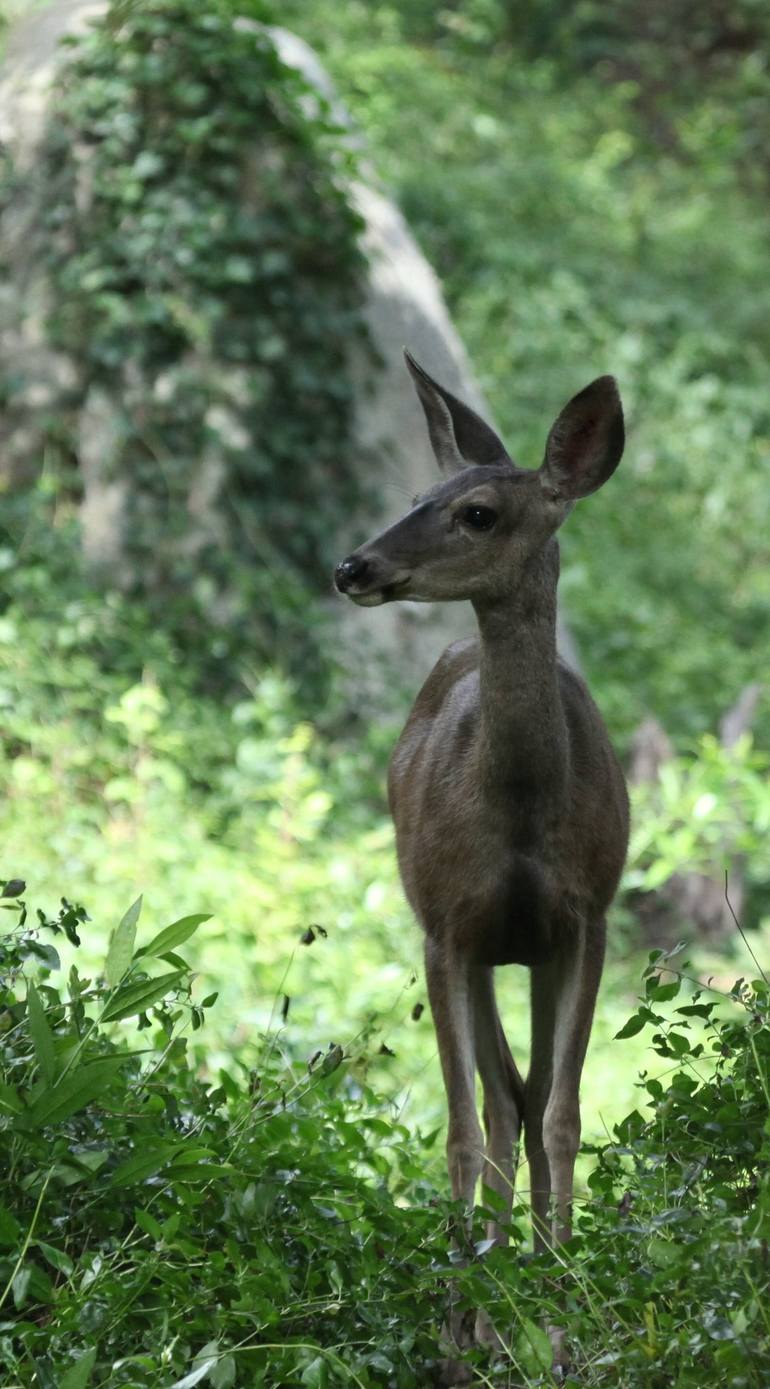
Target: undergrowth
x=272 y=1225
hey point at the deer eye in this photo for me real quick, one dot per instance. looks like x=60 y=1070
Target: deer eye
x=480 y=518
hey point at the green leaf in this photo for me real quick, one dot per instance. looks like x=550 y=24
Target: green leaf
x=172 y=936
x=630 y=1029
x=20 y=1284
x=148 y=1223
x=10 y=1229
x=9 y=1099
x=143 y=1165
x=121 y=947
x=199 y=1171
x=315 y=1374
x=189 y=1153
x=72 y=1093
x=661 y=993
x=176 y=961
x=134 y=998
x=46 y=953
x=41 y=1288
x=223 y=1373
x=78 y=1375
x=378 y=1361
x=197 y=1374
x=533 y=1348
x=665 y=1253
x=42 y=1035
x=56 y=1257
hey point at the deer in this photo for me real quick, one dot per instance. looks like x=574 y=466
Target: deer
x=510 y=806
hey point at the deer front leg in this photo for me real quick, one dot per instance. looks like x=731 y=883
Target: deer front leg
x=577 y=986
x=448 y=978
x=503 y=1111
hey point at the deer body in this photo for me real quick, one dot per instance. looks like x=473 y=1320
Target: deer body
x=518 y=834
x=510 y=807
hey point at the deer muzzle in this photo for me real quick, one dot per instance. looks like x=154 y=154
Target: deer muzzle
x=367 y=583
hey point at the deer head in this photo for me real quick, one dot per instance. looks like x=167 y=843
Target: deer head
x=474 y=534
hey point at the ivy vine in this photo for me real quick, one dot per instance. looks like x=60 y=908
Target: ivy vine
x=206 y=281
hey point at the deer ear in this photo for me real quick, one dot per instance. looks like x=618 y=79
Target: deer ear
x=459 y=436
x=585 y=444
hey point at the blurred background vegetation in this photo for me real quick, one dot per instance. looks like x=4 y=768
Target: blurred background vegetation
x=590 y=184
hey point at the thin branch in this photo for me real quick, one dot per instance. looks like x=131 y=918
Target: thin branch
x=742 y=932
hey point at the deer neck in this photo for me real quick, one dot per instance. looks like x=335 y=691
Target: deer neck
x=523 y=726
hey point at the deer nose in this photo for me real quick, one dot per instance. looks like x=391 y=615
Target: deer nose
x=348 y=571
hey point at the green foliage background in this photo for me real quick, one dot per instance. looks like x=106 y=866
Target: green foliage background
x=586 y=212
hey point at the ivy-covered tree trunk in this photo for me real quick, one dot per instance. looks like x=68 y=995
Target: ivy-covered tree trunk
x=197 y=264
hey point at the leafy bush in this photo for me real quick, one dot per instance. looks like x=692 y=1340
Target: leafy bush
x=272 y=1225
x=157 y=1226
x=708 y=811
x=682 y=1277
